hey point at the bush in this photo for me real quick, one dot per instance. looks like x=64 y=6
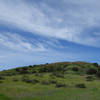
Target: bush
x=37 y=74
x=96 y=64
x=35 y=81
x=58 y=85
x=90 y=78
x=23 y=70
x=52 y=81
x=81 y=85
x=91 y=71
x=1 y=81
x=58 y=74
x=2 y=78
x=15 y=79
x=52 y=76
x=25 y=78
x=30 y=66
x=29 y=81
x=98 y=74
x=45 y=82
x=75 y=69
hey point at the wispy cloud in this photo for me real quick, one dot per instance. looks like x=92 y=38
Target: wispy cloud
x=36 y=31
x=18 y=43
x=68 y=20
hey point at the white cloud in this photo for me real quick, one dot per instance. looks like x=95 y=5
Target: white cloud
x=67 y=22
x=18 y=43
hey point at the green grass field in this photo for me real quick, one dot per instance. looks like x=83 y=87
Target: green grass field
x=11 y=90
x=48 y=86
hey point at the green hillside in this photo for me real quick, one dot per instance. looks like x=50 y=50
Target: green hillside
x=56 y=81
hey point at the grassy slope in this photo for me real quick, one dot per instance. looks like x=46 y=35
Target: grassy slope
x=11 y=90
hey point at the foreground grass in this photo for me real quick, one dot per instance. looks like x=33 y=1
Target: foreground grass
x=11 y=90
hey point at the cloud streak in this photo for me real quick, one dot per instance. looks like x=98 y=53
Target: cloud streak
x=39 y=31
x=16 y=42
x=68 y=22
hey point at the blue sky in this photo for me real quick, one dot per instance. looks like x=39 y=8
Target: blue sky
x=45 y=31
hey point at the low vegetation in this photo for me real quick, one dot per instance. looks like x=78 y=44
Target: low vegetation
x=82 y=85
x=56 y=81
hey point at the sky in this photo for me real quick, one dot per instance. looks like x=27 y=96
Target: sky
x=46 y=31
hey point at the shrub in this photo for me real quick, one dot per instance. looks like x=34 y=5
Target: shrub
x=98 y=74
x=52 y=81
x=35 y=81
x=30 y=66
x=75 y=69
x=17 y=69
x=45 y=82
x=90 y=78
x=1 y=81
x=52 y=76
x=37 y=74
x=25 y=78
x=15 y=79
x=29 y=81
x=58 y=74
x=96 y=64
x=81 y=85
x=2 y=78
x=91 y=71
x=58 y=85
x=23 y=70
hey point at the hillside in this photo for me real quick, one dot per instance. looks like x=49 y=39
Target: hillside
x=55 y=81
x=53 y=67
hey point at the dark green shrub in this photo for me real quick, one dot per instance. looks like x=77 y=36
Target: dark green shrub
x=52 y=76
x=75 y=69
x=29 y=81
x=58 y=85
x=45 y=82
x=30 y=66
x=96 y=64
x=52 y=81
x=35 y=81
x=58 y=74
x=1 y=81
x=90 y=78
x=2 y=78
x=25 y=78
x=98 y=74
x=15 y=79
x=98 y=68
x=23 y=70
x=81 y=85
x=37 y=74
x=91 y=71
x=17 y=69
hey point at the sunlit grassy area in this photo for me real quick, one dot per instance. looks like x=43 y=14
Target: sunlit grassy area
x=19 y=90
x=57 y=85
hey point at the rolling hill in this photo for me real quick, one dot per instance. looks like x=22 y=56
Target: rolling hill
x=55 y=81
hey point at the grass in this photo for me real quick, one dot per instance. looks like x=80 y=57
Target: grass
x=44 y=89
x=27 y=91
